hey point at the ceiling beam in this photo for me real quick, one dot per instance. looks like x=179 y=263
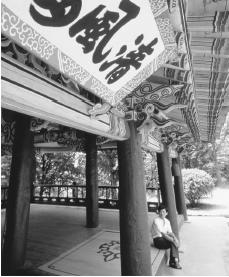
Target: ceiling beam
x=26 y=91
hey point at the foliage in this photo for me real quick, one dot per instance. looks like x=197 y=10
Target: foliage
x=212 y=158
x=223 y=152
x=67 y=167
x=150 y=174
x=150 y=168
x=5 y=170
x=108 y=167
x=64 y=168
x=200 y=155
x=57 y=169
x=197 y=184
x=225 y=171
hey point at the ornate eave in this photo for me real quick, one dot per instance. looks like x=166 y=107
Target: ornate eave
x=48 y=137
x=26 y=35
x=35 y=88
x=208 y=26
x=203 y=38
x=186 y=87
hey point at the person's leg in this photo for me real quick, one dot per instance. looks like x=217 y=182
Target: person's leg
x=174 y=257
x=174 y=253
x=162 y=243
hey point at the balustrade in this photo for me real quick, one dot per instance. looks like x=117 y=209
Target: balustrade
x=75 y=195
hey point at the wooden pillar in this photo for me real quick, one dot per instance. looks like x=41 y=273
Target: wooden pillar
x=33 y=172
x=92 y=205
x=18 y=204
x=134 y=231
x=167 y=190
x=178 y=187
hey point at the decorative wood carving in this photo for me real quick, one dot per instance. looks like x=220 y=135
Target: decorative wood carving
x=177 y=138
x=117 y=117
x=46 y=133
x=18 y=53
x=31 y=37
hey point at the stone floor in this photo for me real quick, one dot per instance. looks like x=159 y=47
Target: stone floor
x=215 y=205
x=54 y=230
x=204 y=248
x=205 y=238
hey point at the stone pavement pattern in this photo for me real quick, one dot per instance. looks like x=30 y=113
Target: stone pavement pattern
x=54 y=230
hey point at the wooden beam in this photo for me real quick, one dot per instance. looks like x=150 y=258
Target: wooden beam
x=207 y=53
x=196 y=33
x=205 y=8
x=26 y=91
x=207 y=69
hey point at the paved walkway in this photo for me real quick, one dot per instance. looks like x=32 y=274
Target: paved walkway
x=205 y=246
x=217 y=205
x=205 y=239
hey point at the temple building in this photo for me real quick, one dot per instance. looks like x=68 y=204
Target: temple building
x=127 y=74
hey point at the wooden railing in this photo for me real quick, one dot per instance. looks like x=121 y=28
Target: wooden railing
x=76 y=196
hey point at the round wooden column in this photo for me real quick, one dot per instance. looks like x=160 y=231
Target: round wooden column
x=134 y=231
x=92 y=205
x=166 y=185
x=19 y=192
x=178 y=187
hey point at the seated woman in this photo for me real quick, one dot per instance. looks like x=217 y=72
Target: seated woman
x=164 y=238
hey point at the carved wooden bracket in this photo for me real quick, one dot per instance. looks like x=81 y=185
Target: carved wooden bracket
x=177 y=139
x=116 y=116
x=52 y=136
x=143 y=106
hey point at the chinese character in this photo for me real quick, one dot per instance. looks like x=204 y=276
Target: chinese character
x=62 y=12
x=95 y=27
x=94 y=31
x=133 y=58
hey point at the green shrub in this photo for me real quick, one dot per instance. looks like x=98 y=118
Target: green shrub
x=197 y=184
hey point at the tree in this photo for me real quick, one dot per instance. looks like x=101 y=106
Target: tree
x=56 y=168
x=198 y=156
x=222 y=150
x=5 y=170
x=108 y=167
x=150 y=168
x=59 y=169
x=151 y=175
x=197 y=184
x=201 y=155
x=211 y=157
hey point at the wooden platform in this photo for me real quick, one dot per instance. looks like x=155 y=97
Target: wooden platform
x=57 y=230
